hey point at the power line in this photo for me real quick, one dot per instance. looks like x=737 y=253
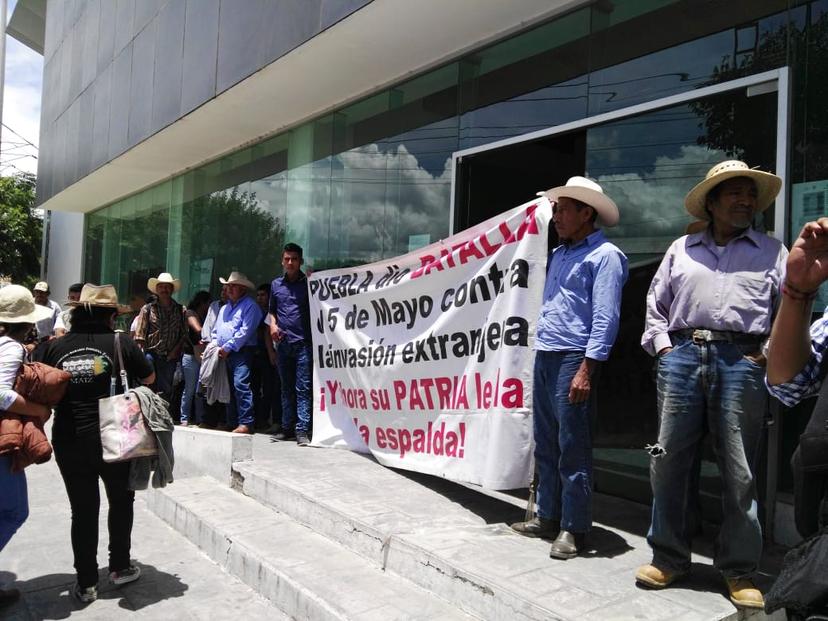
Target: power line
x=19 y=136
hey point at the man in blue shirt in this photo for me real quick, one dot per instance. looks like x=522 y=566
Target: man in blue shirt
x=235 y=334
x=577 y=327
x=290 y=329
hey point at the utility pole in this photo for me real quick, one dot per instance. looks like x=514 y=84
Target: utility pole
x=3 y=5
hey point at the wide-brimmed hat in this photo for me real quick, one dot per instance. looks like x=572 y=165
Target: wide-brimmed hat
x=767 y=186
x=697 y=226
x=17 y=305
x=163 y=277
x=237 y=278
x=102 y=296
x=589 y=192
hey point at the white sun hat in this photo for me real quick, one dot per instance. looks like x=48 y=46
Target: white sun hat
x=17 y=305
x=589 y=192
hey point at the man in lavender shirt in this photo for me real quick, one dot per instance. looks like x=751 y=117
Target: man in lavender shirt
x=709 y=310
x=577 y=327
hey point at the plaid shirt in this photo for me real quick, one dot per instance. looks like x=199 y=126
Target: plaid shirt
x=161 y=329
x=807 y=382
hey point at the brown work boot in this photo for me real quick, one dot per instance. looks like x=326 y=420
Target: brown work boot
x=567 y=545
x=243 y=429
x=538 y=527
x=744 y=594
x=655 y=578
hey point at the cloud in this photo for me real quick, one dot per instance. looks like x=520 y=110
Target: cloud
x=21 y=107
x=652 y=202
x=362 y=205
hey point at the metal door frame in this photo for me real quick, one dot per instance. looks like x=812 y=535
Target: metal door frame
x=765 y=82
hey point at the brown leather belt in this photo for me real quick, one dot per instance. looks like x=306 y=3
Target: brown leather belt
x=703 y=335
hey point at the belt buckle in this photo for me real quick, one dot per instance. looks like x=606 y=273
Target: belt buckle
x=702 y=336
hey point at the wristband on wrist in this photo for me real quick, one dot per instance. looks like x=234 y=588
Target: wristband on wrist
x=792 y=292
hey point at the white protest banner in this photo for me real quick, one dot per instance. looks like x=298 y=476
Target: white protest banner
x=426 y=360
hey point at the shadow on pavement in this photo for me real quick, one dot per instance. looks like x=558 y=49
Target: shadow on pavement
x=50 y=596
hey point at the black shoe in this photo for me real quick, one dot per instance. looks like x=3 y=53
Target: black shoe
x=302 y=439
x=9 y=596
x=284 y=436
x=538 y=527
x=567 y=545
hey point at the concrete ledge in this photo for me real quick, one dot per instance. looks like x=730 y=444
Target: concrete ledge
x=303 y=573
x=457 y=546
x=203 y=452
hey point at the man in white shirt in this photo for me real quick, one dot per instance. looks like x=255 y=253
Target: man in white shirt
x=63 y=323
x=45 y=327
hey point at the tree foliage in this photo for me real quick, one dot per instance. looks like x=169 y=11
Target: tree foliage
x=21 y=230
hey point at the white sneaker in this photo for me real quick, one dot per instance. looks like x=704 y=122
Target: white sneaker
x=125 y=576
x=85 y=596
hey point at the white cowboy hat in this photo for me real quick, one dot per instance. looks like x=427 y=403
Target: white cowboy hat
x=17 y=305
x=237 y=278
x=589 y=192
x=767 y=186
x=103 y=296
x=164 y=277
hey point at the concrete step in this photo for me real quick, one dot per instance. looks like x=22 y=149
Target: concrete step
x=455 y=542
x=303 y=573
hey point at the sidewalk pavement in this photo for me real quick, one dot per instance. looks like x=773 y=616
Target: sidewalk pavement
x=177 y=580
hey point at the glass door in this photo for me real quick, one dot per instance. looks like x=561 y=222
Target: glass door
x=647 y=163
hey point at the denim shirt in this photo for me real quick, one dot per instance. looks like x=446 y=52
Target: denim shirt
x=582 y=298
x=236 y=325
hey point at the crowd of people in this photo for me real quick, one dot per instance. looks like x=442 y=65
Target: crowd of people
x=727 y=322
x=232 y=356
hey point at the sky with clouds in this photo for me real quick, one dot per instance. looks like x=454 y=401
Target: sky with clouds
x=21 y=106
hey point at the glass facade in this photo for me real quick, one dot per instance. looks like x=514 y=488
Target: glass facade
x=373 y=179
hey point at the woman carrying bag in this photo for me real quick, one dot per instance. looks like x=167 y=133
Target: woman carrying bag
x=88 y=353
x=18 y=314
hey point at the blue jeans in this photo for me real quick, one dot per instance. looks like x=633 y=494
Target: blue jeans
x=240 y=409
x=710 y=382
x=295 y=367
x=164 y=373
x=14 y=500
x=563 y=442
x=189 y=399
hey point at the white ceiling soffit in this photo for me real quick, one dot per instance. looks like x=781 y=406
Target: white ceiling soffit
x=376 y=46
x=28 y=23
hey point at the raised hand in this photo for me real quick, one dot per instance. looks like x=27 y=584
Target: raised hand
x=807 y=266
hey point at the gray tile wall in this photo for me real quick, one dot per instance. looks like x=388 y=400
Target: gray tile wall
x=117 y=71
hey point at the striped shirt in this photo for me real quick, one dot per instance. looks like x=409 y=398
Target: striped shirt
x=161 y=328
x=807 y=382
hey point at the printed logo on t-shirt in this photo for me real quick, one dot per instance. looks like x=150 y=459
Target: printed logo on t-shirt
x=85 y=364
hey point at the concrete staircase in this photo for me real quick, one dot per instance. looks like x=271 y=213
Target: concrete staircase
x=330 y=534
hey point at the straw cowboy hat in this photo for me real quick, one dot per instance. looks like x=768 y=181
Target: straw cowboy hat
x=696 y=226
x=589 y=192
x=17 y=305
x=102 y=296
x=767 y=187
x=237 y=278
x=163 y=277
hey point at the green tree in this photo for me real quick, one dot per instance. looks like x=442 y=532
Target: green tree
x=21 y=230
